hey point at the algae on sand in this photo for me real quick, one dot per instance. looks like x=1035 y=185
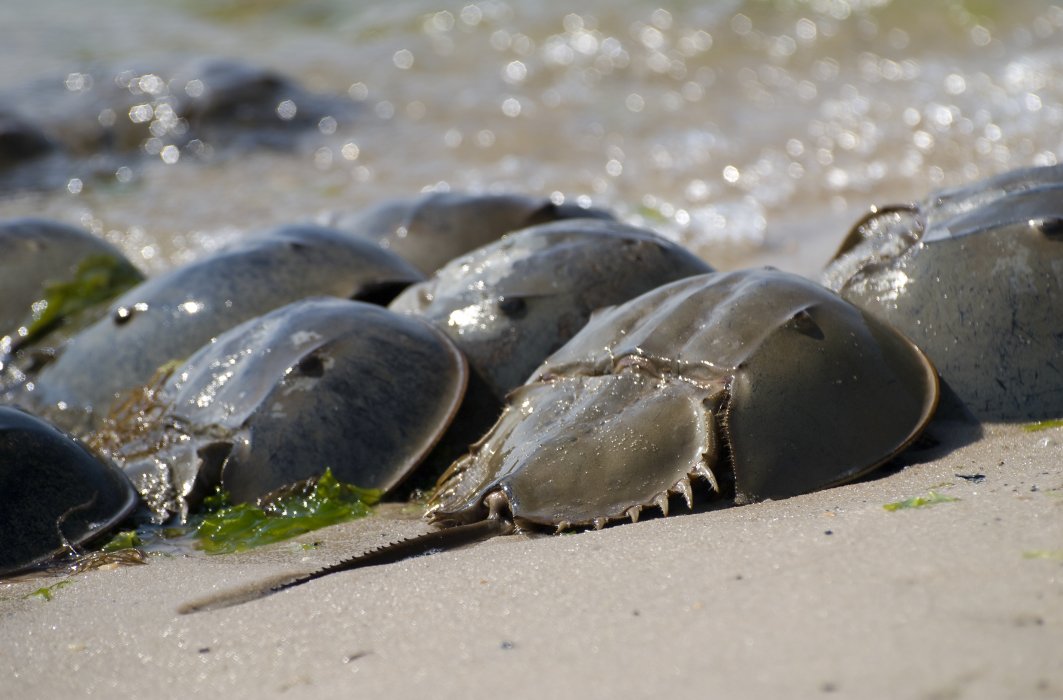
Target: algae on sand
x=932 y=498
x=1043 y=425
x=48 y=592
x=223 y=527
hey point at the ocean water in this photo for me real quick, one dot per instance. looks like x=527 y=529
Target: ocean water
x=752 y=132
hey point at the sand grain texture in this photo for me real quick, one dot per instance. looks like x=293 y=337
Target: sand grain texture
x=825 y=595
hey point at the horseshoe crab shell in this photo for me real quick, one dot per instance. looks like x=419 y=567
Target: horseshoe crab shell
x=36 y=253
x=321 y=383
x=759 y=383
x=29 y=158
x=230 y=103
x=54 y=494
x=223 y=102
x=511 y=303
x=172 y=315
x=975 y=277
x=432 y=229
x=20 y=141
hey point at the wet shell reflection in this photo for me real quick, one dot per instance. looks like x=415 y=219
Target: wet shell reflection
x=974 y=276
x=432 y=229
x=321 y=383
x=172 y=315
x=511 y=303
x=54 y=493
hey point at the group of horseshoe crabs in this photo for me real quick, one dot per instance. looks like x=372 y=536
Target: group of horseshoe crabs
x=666 y=381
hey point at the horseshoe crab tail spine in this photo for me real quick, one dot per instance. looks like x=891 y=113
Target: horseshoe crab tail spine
x=428 y=543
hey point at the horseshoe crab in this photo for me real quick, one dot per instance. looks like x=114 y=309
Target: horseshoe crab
x=20 y=141
x=102 y=109
x=50 y=271
x=511 y=303
x=229 y=102
x=172 y=315
x=755 y=384
x=434 y=228
x=54 y=494
x=974 y=276
x=314 y=384
x=29 y=158
x=759 y=383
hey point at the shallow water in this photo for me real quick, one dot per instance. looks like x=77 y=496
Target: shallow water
x=753 y=132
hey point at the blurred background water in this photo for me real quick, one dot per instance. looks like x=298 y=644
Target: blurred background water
x=753 y=132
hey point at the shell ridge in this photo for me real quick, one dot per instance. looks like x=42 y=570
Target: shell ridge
x=726 y=446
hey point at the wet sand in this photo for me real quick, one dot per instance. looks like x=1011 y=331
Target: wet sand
x=824 y=595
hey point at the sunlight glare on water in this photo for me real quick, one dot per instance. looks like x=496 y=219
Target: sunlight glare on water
x=753 y=132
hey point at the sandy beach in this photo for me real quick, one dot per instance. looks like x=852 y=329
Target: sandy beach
x=751 y=133
x=824 y=595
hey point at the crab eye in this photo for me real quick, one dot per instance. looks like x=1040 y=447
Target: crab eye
x=311 y=366
x=124 y=314
x=513 y=307
x=1050 y=227
x=803 y=323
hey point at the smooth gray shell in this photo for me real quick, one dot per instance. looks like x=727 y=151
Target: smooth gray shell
x=432 y=229
x=37 y=252
x=321 y=383
x=975 y=277
x=511 y=303
x=52 y=489
x=170 y=316
x=760 y=383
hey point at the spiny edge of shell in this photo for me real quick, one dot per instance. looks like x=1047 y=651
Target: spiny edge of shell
x=684 y=487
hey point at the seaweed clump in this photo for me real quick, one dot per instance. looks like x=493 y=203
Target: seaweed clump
x=97 y=279
x=308 y=505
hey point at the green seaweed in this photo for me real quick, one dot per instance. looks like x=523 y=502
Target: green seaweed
x=1043 y=554
x=230 y=528
x=48 y=592
x=97 y=278
x=220 y=527
x=127 y=539
x=1043 y=425
x=932 y=498
x=652 y=214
